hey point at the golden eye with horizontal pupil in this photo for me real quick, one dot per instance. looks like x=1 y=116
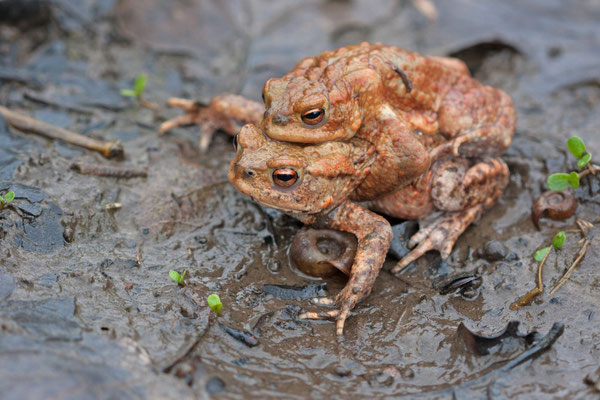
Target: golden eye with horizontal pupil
x=313 y=116
x=285 y=177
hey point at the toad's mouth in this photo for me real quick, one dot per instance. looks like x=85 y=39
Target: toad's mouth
x=276 y=204
x=302 y=210
x=273 y=202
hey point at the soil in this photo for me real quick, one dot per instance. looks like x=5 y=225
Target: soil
x=87 y=308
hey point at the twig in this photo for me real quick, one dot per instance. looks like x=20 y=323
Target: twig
x=591 y=169
x=28 y=124
x=565 y=277
x=539 y=289
x=583 y=226
x=148 y=104
x=109 y=170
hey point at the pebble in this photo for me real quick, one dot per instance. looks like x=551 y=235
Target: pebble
x=494 y=251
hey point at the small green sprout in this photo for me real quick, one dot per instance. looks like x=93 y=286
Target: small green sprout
x=561 y=180
x=558 y=240
x=178 y=278
x=584 y=160
x=541 y=253
x=8 y=197
x=138 y=87
x=214 y=302
x=576 y=146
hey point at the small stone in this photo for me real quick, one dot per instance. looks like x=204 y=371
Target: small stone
x=68 y=234
x=343 y=372
x=494 y=251
x=512 y=256
x=184 y=369
x=408 y=373
x=274 y=266
x=382 y=379
x=558 y=300
x=215 y=385
x=593 y=379
x=31 y=209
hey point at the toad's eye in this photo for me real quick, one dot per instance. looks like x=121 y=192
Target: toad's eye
x=285 y=177
x=313 y=116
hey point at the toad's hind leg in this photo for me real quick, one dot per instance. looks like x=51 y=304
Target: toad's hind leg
x=226 y=112
x=478 y=121
x=463 y=192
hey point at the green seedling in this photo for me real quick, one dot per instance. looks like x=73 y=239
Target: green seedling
x=8 y=197
x=214 y=302
x=557 y=242
x=541 y=253
x=561 y=180
x=576 y=146
x=178 y=278
x=138 y=87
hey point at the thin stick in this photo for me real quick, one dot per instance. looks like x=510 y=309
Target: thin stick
x=28 y=124
x=148 y=104
x=539 y=289
x=591 y=169
x=583 y=226
x=565 y=277
x=113 y=171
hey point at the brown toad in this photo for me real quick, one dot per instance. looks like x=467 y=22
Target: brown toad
x=433 y=133
x=315 y=184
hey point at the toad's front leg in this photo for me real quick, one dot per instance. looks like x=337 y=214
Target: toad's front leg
x=226 y=112
x=374 y=235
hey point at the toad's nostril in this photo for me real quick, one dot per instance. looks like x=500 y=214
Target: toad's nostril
x=250 y=173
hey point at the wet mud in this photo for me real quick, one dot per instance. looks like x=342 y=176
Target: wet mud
x=87 y=308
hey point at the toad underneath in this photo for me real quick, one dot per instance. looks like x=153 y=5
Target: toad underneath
x=401 y=134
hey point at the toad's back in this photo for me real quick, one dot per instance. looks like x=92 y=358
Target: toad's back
x=407 y=81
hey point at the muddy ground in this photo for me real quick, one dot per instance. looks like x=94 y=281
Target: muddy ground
x=87 y=308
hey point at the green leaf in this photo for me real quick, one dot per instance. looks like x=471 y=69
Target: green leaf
x=558 y=240
x=559 y=181
x=214 y=302
x=127 y=93
x=8 y=197
x=140 y=84
x=574 y=179
x=584 y=160
x=541 y=253
x=175 y=276
x=576 y=146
